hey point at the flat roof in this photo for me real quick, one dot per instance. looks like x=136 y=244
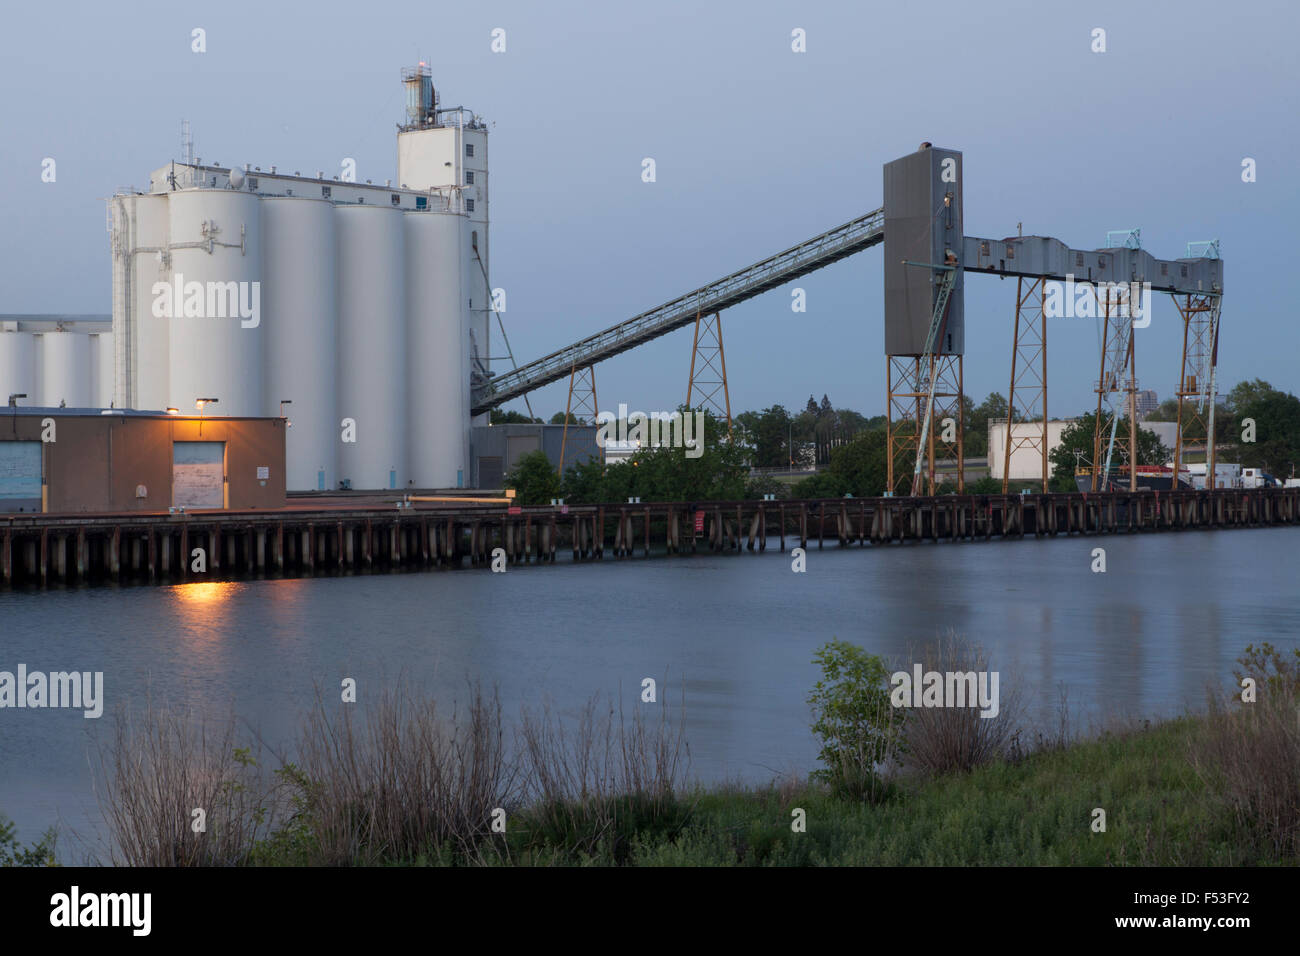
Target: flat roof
x=48 y=411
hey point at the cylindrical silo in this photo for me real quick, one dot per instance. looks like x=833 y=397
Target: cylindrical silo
x=101 y=370
x=65 y=370
x=18 y=367
x=300 y=319
x=439 y=389
x=215 y=341
x=372 y=382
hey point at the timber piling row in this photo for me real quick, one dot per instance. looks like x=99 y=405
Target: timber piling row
x=38 y=550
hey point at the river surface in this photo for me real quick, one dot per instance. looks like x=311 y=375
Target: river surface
x=735 y=633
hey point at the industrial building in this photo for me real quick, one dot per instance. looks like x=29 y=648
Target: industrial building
x=65 y=460
x=359 y=311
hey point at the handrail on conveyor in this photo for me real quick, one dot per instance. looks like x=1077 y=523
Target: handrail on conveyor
x=799 y=260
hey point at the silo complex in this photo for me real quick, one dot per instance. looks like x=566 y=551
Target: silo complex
x=300 y=321
x=345 y=306
x=438 y=360
x=215 y=340
x=372 y=343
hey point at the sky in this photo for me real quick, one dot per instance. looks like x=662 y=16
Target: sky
x=756 y=148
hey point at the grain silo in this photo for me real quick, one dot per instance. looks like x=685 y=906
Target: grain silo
x=215 y=341
x=101 y=370
x=437 y=327
x=372 y=361
x=18 y=365
x=300 y=322
x=65 y=369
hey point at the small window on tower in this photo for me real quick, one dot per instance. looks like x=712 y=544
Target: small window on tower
x=469 y=149
x=395 y=199
x=421 y=202
x=469 y=205
x=325 y=192
x=469 y=177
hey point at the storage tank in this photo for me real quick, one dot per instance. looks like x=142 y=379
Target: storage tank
x=65 y=370
x=439 y=381
x=372 y=380
x=300 y=319
x=140 y=339
x=215 y=340
x=18 y=367
x=101 y=370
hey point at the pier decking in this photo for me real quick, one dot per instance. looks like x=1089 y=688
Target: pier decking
x=307 y=538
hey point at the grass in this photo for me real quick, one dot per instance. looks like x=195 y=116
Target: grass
x=1034 y=812
x=418 y=785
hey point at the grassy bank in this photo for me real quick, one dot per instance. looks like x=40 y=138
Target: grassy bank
x=408 y=784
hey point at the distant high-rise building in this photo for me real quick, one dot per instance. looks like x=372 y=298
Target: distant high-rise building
x=1147 y=402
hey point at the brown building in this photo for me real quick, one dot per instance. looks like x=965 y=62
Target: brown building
x=61 y=460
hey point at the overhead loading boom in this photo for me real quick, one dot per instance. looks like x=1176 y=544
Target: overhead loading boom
x=838 y=243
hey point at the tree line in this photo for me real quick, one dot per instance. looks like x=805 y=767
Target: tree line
x=850 y=451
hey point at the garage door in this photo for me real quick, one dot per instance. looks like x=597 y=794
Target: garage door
x=489 y=471
x=519 y=445
x=198 y=470
x=20 y=476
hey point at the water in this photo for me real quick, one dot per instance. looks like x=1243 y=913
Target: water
x=736 y=633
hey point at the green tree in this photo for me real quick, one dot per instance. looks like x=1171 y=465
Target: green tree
x=1166 y=411
x=718 y=473
x=1078 y=438
x=860 y=731
x=1249 y=392
x=976 y=438
x=499 y=417
x=559 y=419
x=859 y=468
x=534 y=479
x=1276 y=447
x=768 y=433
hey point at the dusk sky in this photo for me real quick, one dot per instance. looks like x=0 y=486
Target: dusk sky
x=756 y=148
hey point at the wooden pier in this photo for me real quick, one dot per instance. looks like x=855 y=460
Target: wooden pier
x=44 y=549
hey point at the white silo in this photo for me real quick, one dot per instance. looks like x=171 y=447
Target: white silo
x=215 y=341
x=439 y=385
x=18 y=367
x=101 y=370
x=140 y=339
x=372 y=381
x=65 y=370
x=300 y=319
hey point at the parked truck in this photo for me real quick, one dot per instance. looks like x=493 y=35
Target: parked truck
x=1226 y=475
x=1257 y=478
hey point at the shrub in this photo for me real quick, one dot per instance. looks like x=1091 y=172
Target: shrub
x=13 y=853
x=534 y=479
x=1249 y=756
x=957 y=739
x=859 y=729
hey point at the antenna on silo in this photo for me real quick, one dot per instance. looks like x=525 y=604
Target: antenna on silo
x=187 y=143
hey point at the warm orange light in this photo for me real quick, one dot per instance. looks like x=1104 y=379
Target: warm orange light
x=204 y=593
